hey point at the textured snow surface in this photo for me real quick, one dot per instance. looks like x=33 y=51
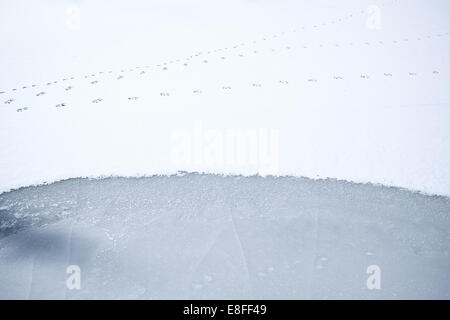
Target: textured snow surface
x=209 y=236
x=349 y=101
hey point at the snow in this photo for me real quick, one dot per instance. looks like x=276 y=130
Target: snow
x=342 y=99
x=321 y=130
x=196 y=236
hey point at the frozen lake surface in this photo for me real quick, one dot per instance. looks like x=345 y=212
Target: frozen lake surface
x=198 y=236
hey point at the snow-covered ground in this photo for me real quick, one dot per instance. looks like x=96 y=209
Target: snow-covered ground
x=338 y=89
x=352 y=90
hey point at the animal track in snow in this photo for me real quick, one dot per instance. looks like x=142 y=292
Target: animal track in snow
x=22 y=109
x=68 y=88
x=60 y=105
x=9 y=101
x=97 y=100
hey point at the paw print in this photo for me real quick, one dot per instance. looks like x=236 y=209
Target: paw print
x=60 y=105
x=9 y=101
x=97 y=100
x=94 y=82
x=22 y=109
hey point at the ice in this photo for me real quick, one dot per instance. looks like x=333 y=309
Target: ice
x=200 y=236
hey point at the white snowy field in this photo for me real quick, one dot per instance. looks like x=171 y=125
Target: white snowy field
x=214 y=237
x=352 y=90
x=271 y=99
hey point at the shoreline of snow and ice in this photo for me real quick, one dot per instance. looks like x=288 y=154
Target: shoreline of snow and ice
x=224 y=175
